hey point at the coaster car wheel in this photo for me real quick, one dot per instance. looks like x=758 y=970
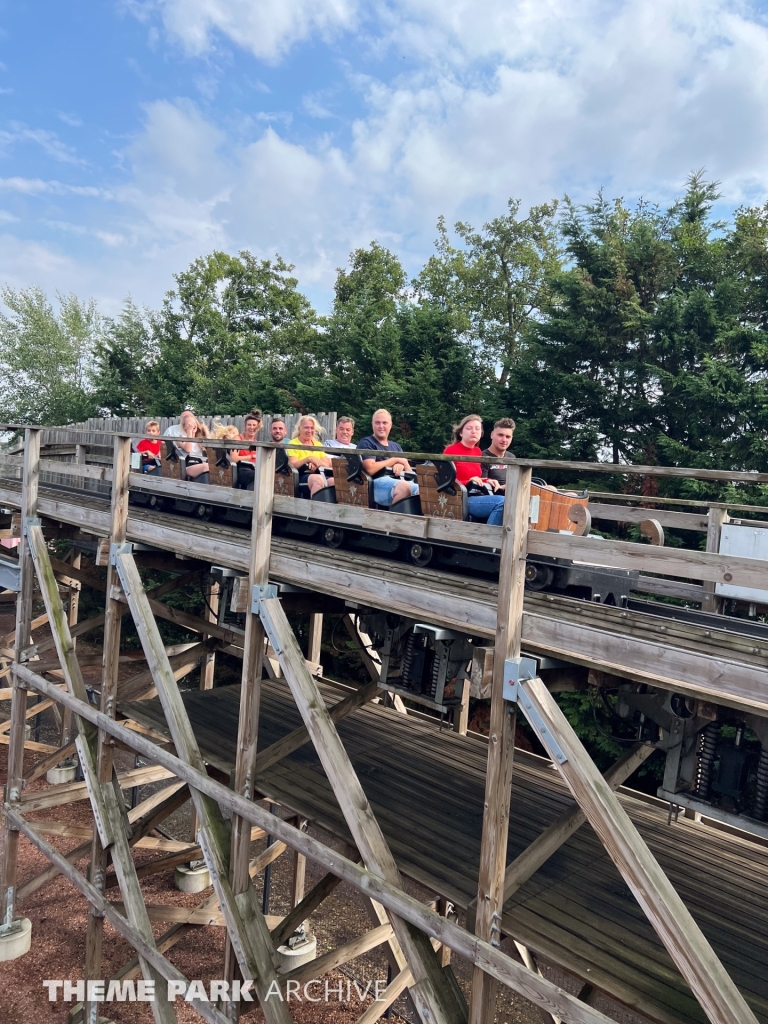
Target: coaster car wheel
x=419 y=554
x=538 y=577
x=333 y=537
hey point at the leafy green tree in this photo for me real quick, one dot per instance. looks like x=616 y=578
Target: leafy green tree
x=46 y=357
x=123 y=357
x=497 y=282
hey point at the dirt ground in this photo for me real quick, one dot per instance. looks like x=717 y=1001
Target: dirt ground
x=58 y=915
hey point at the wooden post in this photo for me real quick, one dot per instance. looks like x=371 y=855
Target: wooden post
x=715 y=518
x=432 y=992
x=213 y=613
x=461 y=712
x=29 y=495
x=315 y=638
x=299 y=869
x=250 y=689
x=75 y=559
x=121 y=467
x=245 y=923
x=501 y=739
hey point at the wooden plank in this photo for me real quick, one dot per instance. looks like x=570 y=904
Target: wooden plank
x=71 y=792
x=627 y=514
x=700 y=565
x=502 y=967
x=501 y=746
x=294 y=740
x=553 y=837
x=431 y=993
x=161 y=968
x=109 y=814
x=245 y=923
x=715 y=519
x=669 y=588
x=23 y=631
x=308 y=905
x=341 y=955
x=689 y=949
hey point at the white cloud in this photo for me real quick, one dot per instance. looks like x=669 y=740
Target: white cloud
x=48 y=141
x=268 y=28
x=503 y=98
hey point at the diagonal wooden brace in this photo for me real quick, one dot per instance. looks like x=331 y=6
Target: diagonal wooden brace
x=246 y=925
x=432 y=993
x=694 y=957
x=109 y=810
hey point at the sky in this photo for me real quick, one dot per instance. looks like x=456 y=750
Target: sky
x=137 y=135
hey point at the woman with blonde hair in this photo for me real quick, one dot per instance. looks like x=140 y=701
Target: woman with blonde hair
x=302 y=456
x=482 y=500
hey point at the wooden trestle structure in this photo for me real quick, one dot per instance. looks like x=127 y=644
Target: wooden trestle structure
x=443 y=809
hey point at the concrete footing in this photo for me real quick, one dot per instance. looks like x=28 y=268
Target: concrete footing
x=16 y=941
x=289 y=957
x=189 y=879
x=64 y=772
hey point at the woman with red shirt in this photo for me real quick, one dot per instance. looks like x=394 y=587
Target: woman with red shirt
x=487 y=507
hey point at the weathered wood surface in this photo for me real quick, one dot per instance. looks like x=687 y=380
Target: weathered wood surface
x=709 y=665
x=426 y=789
x=442 y=931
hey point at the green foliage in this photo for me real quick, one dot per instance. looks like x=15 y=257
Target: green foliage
x=46 y=358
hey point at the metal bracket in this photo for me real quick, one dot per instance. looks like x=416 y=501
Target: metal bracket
x=516 y=670
x=262 y=593
x=30 y=521
x=119 y=549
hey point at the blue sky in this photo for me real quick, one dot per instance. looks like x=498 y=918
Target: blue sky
x=136 y=135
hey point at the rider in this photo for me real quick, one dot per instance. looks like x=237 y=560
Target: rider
x=345 y=428
x=482 y=500
x=386 y=489
x=501 y=438
x=150 y=450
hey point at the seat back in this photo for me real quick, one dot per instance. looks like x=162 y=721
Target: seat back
x=553 y=508
x=220 y=468
x=440 y=492
x=286 y=477
x=171 y=462
x=352 y=482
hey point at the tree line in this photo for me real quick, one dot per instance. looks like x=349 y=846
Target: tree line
x=612 y=331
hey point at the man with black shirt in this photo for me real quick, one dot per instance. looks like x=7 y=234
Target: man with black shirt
x=501 y=438
x=386 y=489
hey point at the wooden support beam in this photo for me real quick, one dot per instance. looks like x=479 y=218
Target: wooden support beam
x=141 y=686
x=213 y=613
x=442 y=930
x=109 y=813
x=715 y=519
x=689 y=949
x=315 y=641
x=308 y=905
x=162 y=968
x=501 y=739
x=73 y=612
x=432 y=994
x=245 y=922
x=341 y=955
x=50 y=761
x=553 y=837
x=294 y=740
x=250 y=685
x=71 y=792
x=23 y=631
